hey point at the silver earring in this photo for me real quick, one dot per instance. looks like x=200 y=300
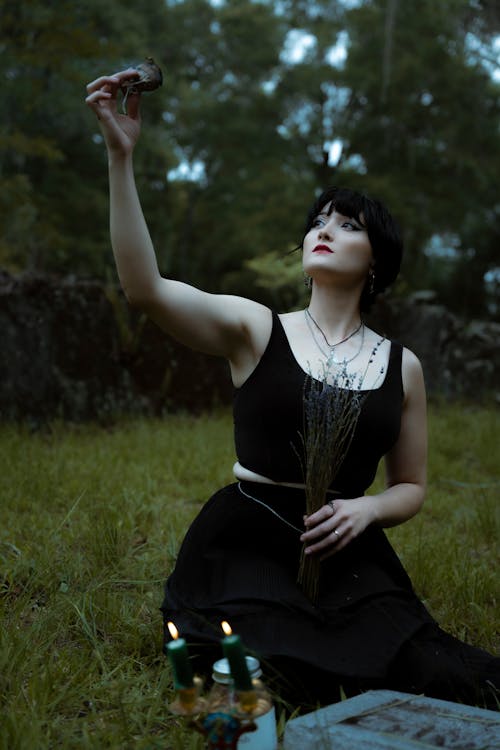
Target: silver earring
x=371 y=283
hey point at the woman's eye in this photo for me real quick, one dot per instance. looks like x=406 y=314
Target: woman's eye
x=318 y=223
x=350 y=225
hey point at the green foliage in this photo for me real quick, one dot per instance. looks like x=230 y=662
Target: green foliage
x=237 y=140
x=91 y=521
x=282 y=277
x=424 y=117
x=52 y=170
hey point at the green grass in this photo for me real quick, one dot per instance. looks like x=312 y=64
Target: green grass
x=90 y=523
x=451 y=548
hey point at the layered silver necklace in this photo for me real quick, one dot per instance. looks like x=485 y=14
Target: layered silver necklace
x=330 y=358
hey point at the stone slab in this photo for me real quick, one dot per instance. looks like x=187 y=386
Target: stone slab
x=388 y=720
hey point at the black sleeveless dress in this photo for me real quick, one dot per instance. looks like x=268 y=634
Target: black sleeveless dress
x=239 y=562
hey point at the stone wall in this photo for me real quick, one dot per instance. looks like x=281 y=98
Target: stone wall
x=460 y=359
x=74 y=349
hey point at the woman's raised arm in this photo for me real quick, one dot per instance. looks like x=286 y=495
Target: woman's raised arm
x=216 y=324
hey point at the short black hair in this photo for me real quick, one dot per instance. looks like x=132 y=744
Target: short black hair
x=382 y=229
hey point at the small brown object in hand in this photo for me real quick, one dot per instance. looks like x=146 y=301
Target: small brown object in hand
x=150 y=78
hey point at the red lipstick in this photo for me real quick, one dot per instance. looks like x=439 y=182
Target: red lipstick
x=322 y=249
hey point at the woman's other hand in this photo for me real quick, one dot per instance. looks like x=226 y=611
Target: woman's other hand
x=335 y=524
x=120 y=131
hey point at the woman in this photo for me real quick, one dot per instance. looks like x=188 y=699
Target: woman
x=240 y=557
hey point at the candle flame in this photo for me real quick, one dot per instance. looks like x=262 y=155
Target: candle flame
x=226 y=627
x=173 y=630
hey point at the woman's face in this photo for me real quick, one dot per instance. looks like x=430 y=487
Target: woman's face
x=337 y=245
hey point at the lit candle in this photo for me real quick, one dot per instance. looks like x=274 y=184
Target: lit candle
x=233 y=651
x=179 y=659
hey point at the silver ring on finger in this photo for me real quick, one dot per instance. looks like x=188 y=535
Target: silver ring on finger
x=336 y=533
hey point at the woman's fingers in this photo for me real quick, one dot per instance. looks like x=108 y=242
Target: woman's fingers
x=102 y=94
x=322 y=529
x=333 y=526
x=104 y=90
x=114 y=81
x=120 y=130
x=97 y=96
x=103 y=83
x=323 y=514
x=322 y=537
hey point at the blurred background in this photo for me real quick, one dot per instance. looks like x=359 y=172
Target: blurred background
x=263 y=104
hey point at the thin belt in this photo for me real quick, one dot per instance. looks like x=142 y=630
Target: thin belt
x=269 y=508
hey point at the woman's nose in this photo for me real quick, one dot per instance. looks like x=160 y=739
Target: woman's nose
x=325 y=232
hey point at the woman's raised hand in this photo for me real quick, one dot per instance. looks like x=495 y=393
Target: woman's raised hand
x=120 y=131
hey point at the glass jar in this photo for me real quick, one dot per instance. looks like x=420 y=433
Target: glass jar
x=223 y=697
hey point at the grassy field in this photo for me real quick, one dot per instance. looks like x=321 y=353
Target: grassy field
x=90 y=522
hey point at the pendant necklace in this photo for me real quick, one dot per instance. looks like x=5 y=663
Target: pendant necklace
x=342 y=341
x=329 y=357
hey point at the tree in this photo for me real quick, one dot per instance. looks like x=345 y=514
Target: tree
x=225 y=124
x=52 y=178
x=417 y=112
x=239 y=137
x=424 y=122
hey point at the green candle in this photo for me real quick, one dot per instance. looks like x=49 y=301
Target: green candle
x=181 y=666
x=233 y=651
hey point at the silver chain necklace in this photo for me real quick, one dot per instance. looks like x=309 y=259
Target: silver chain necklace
x=330 y=359
x=342 y=341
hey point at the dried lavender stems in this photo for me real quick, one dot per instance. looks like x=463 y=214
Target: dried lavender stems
x=331 y=412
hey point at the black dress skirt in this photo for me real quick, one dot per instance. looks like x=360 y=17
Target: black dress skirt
x=239 y=562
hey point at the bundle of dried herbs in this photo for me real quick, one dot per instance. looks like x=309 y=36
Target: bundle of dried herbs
x=331 y=412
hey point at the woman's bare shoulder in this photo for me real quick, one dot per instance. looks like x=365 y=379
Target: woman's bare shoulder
x=412 y=374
